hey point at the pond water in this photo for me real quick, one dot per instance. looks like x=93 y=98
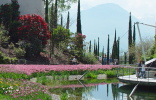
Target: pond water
x=80 y=90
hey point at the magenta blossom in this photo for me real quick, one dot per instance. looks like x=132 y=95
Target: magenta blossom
x=29 y=69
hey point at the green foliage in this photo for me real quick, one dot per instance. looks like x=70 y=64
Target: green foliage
x=115 y=48
x=64 y=96
x=43 y=80
x=9 y=19
x=111 y=73
x=6 y=60
x=79 y=30
x=19 y=52
x=3 y=35
x=91 y=75
x=60 y=34
x=78 y=45
x=154 y=56
x=89 y=58
x=153 y=50
x=5 y=18
x=34 y=32
x=34 y=96
x=12 y=75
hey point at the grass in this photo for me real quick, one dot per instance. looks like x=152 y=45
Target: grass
x=16 y=86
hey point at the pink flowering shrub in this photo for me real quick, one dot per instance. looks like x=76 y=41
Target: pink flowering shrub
x=79 y=38
x=23 y=89
x=30 y=69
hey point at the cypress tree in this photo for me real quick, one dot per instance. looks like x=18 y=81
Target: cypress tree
x=118 y=49
x=130 y=39
x=61 y=20
x=52 y=18
x=114 y=50
x=15 y=6
x=90 y=46
x=133 y=43
x=13 y=23
x=79 y=31
x=79 y=19
x=125 y=57
x=108 y=50
x=68 y=21
x=94 y=48
x=98 y=48
x=102 y=54
x=55 y=14
x=134 y=35
x=46 y=11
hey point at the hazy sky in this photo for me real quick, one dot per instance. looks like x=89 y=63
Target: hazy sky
x=144 y=10
x=139 y=8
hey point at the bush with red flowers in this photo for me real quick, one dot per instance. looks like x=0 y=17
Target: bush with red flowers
x=78 y=45
x=34 y=32
x=79 y=38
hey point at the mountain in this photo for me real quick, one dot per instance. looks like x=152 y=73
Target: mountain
x=102 y=20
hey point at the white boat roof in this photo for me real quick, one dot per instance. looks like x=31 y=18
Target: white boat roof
x=150 y=61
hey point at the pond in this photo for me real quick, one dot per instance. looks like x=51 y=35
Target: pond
x=100 y=90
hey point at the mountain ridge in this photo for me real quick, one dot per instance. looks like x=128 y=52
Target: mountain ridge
x=104 y=19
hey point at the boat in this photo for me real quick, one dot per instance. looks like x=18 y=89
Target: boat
x=150 y=68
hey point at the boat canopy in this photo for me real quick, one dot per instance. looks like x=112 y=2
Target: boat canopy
x=151 y=63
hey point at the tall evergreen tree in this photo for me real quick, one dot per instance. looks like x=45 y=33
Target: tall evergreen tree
x=118 y=49
x=55 y=14
x=46 y=11
x=130 y=39
x=13 y=23
x=79 y=31
x=102 y=55
x=79 y=19
x=125 y=58
x=61 y=20
x=108 y=50
x=94 y=48
x=98 y=48
x=114 y=50
x=68 y=21
x=90 y=46
x=133 y=44
x=52 y=18
x=134 y=35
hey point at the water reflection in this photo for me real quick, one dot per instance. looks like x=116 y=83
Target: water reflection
x=104 y=91
x=141 y=93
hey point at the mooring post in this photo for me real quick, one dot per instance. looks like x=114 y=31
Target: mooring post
x=83 y=75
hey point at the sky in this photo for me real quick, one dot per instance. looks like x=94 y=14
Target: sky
x=142 y=9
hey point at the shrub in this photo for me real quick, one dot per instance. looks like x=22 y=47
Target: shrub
x=19 y=52
x=34 y=31
x=9 y=19
x=6 y=60
x=89 y=58
x=60 y=34
x=3 y=36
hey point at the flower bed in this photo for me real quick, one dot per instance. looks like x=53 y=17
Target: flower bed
x=29 y=69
